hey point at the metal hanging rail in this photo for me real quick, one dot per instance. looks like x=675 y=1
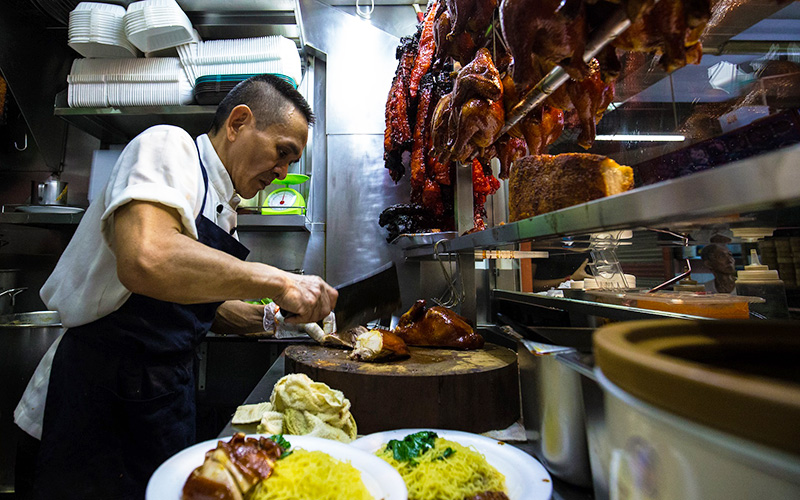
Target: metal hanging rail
x=610 y=30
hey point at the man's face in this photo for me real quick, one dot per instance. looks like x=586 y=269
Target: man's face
x=722 y=261
x=258 y=157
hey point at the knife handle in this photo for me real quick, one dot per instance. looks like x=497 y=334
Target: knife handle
x=286 y=314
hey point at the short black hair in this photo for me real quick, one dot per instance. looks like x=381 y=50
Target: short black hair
x=266 y=95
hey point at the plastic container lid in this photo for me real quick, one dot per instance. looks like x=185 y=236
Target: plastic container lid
x=221 y=78
x=237 y=78
x=756 y=271
x=740 y=377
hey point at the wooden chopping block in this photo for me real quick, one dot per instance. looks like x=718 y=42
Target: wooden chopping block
x=474 y=391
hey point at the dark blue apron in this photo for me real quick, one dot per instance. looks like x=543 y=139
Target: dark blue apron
x=121 y=395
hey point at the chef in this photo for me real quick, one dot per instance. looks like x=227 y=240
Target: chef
x=154 y=264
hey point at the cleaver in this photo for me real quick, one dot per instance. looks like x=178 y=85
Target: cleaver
x=372 y=296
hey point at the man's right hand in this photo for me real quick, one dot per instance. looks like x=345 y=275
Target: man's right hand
x=309 y=297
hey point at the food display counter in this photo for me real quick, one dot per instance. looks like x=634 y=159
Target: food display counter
x=262 y=391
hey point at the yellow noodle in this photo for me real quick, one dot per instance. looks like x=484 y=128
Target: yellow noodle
x=312 y=475
x=462 y=474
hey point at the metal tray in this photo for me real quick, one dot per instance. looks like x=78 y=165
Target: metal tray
x=420 y=239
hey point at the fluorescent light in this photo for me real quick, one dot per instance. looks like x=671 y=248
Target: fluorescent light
x=641 y=138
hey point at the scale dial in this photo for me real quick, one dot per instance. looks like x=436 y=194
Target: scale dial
x=284 y=200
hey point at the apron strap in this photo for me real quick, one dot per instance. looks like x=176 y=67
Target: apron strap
x=205 y=178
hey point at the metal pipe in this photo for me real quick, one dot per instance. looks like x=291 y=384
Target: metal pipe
x=777 y=48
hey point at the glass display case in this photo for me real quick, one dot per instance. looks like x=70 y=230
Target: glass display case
x=713 y=146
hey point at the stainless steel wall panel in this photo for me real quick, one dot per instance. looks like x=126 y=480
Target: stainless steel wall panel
x=318 y=143
x=359 y=67
x=358 y=191
x=284 y=250
x=361 y=64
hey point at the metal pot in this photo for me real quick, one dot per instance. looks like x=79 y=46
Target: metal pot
x=24 y=339
x=51 y=192
x=8 y=278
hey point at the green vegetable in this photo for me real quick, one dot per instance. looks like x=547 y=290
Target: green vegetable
x=262 y=302
x=446 y=453
x=412 y=446
x=283 y=443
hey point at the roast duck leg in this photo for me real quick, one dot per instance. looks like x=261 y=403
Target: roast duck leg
x=436 y=327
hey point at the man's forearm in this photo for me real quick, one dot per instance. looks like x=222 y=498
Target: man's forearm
x=155 y=259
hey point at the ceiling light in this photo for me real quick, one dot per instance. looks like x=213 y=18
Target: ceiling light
x=641 y=138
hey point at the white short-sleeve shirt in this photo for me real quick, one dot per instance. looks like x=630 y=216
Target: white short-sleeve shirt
x=160 y=165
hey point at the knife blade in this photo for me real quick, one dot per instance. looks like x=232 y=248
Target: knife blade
x=372 y=296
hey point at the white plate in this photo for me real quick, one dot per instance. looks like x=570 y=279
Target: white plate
x=48 y=209
x=526 y=478
x=380 y=478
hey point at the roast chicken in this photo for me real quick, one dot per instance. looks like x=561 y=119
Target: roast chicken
x=436 y=327
x=590 y=97
x=460 y=47
x=553 y=31
x=443 y=117
x=230 y=470
x=671 y=28
x=470 y=117
x=379 y=345
x=460 y=28
x=470 y=15
x=508 y=149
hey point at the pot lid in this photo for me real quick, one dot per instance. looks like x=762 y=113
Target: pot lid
x=30 y=319
x=740 y=377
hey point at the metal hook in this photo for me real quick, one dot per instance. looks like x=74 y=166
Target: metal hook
x=23 y=147
x=451 y=297
x=13 y=292
x=687 y=269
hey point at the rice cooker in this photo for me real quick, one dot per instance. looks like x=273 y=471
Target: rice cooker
x=700 y=410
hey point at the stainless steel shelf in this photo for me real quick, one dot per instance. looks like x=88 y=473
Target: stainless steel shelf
x=40 y=219
x=759 y=183
x=256 y=222
x=589 y=308
x=247 y=222
x=120 y=125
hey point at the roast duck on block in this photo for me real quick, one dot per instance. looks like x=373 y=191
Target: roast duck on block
x=436 y=327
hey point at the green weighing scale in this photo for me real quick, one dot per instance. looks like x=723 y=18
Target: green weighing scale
x=285 y=200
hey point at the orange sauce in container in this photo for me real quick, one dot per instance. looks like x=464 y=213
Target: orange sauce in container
x=719 y=306
x=720 y=310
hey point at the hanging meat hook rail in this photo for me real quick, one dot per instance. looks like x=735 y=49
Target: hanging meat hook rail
x=610 y=30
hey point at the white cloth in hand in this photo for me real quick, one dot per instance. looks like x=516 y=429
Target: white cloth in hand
x=275 y=324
